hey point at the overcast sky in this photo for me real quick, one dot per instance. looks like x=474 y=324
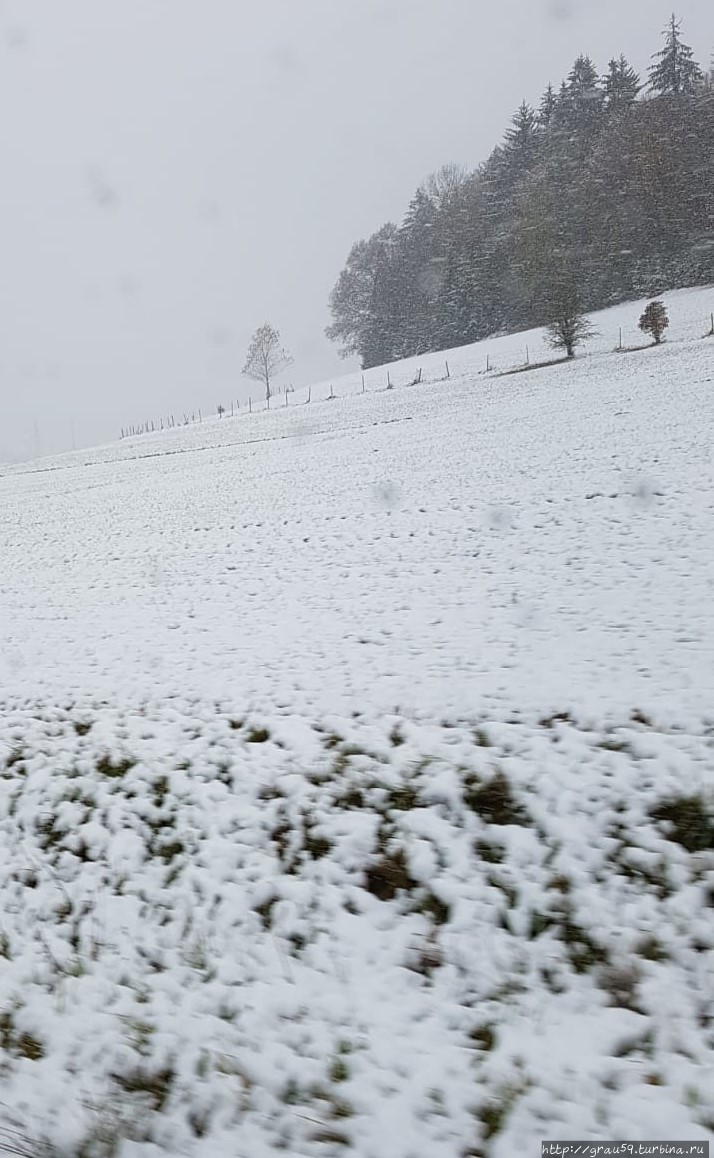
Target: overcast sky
x=175 y=172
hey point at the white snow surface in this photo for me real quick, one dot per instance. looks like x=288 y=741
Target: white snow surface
x=340 y=753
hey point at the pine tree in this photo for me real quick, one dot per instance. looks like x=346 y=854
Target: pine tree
x=559 y=116
x=418 y=268
x=616 y=195
x=621 y=86
x=583 y=96
x=675 y=71
x=520 y=135
x=547 y=107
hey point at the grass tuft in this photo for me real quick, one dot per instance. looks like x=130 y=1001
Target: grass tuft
x=494 y=801
x=690 y=822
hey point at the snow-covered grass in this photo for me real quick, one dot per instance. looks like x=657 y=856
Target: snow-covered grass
x=357 y=770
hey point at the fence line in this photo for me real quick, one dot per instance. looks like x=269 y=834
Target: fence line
x=168 y=422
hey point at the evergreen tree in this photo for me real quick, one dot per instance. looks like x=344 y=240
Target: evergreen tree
x=382 y=339
x=418 y=268
x=616 y=195
x=547 y=107
x=675 y=71
x=655 y=321
x=559 y=115
x=621 y=86
x=583 y=96
x=521 y=134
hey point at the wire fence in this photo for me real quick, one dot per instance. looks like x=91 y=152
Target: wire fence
x=623 y=340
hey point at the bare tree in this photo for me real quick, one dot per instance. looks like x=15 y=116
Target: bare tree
x=446 y=183
x=266 y=357
x=570 y=326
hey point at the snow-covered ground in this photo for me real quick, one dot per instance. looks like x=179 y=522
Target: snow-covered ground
x=359 y=766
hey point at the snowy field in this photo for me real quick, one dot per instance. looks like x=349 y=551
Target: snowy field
x=357 y=767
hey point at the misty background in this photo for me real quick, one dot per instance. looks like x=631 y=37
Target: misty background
x=177 y=173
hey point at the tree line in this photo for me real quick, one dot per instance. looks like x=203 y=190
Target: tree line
x=603 y=193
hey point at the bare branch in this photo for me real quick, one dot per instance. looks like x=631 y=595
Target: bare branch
x=266 y=357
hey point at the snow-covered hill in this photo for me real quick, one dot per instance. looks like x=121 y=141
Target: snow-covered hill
x=358 y=767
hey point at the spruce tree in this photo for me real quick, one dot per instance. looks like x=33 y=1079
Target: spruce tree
x=621 y=86
x=583 y=96
x=418 y=254
x=547 y=107
x=616 y=195
x=521 y=138
x=675 y=71
x=523 y=126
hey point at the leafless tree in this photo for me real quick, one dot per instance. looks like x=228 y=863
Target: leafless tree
x=266 y=357
x=446 y=183
x=570 y=326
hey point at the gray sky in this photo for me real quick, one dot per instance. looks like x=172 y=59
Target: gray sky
x=175 y=172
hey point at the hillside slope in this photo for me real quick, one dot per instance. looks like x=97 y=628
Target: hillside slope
x=357 y=770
